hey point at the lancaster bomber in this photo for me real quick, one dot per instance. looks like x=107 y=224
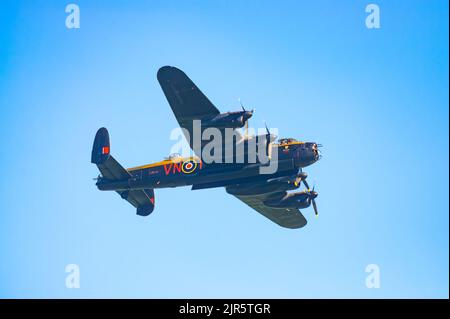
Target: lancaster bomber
x=267 y=193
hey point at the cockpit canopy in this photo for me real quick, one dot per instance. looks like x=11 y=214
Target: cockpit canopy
x=174 y=156
x=288 y=140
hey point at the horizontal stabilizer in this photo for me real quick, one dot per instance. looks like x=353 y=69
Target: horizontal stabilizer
x=112 y=172
x=143 y=200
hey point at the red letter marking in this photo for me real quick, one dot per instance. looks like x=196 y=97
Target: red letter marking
x=167 y=168
x=177 y=167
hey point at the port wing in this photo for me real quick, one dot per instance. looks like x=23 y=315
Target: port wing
x=285 y=217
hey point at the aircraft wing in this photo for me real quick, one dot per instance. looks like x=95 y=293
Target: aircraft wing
x=188 y=103
x=285 y=217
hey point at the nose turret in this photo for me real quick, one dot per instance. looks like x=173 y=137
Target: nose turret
x=316 y=151
x=307 y=154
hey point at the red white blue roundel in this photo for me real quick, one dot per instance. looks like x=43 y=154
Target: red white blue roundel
x=189 y=167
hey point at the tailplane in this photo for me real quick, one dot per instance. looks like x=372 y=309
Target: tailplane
x=112 y=172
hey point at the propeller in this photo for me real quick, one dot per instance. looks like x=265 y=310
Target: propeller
x=269 y=139
x=246 y=116
x=300 y=177
x=312 y=195
x=311 y=192
x=303 y=176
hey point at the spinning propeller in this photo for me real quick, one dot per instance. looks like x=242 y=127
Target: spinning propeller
x=312 y=195
x=310 y=192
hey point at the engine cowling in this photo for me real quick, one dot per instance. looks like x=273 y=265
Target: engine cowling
x=228 y=120
x=272 y=185
x=293 y=200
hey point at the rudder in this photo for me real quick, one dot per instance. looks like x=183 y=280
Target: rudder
x=101 y=147
x=101 y=156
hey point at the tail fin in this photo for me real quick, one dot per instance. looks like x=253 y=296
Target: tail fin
x=100 y=150
x=143 y=200
x=101 y=156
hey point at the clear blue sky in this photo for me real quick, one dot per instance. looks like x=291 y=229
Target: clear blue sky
x=377 y=100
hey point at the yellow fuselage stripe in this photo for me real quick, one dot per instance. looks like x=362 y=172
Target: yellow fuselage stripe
x=181 y=160
x=161 y=163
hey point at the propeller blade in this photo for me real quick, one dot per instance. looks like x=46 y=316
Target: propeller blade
x=314 y=195
x=315 y=207
x=267 y=139
x=240 y=103
x=306 y=184
x=245 y=116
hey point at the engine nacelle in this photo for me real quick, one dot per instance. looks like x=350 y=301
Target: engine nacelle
x=278 y=184
x=293 y=200
x=228 y=120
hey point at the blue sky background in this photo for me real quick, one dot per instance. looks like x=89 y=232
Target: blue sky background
x=377 y=100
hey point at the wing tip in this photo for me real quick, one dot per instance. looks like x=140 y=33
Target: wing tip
x=295 y=226
x=165 y=71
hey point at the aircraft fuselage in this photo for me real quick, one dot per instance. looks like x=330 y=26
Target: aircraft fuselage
x=191 y=171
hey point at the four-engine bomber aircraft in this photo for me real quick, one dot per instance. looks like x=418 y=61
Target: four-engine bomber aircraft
x=266 y=193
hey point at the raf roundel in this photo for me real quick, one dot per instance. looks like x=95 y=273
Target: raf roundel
x=189 y=167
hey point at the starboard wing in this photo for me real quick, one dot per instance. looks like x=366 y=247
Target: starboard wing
x=188 y=103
